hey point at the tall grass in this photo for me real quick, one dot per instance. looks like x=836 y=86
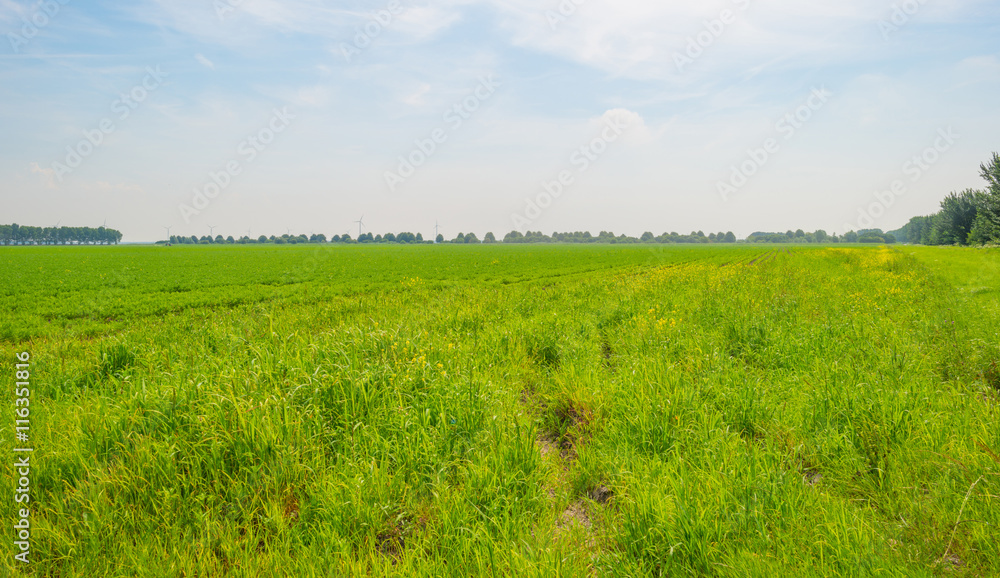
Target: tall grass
x=573 y=411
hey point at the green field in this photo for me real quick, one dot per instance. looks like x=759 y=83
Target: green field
x=505 y=411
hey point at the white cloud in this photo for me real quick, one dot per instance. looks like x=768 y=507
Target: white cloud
x=980 y=67
x=422 y=22
x=636 y=131
x=310 y=96
x=639 y=39
x=417 y=98
x=204 y=61
x=252 y=20
x=48 y=176
x=11 y=11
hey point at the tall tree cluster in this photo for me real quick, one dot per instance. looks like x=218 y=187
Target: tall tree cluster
x=971 y=217
x=24 y=235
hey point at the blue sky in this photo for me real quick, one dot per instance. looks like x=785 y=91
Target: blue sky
x=692 y=92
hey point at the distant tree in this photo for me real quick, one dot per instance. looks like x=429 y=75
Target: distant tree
x=420 y=237
x=917 y=231
x=389 y=238
x=821 y=236
x=230 y=240
x=989 y=224
x=648 y=237
x=262 y=239
x=958 y=215
x=471 y=238
x=983 y=230
x=460 y=238
x=439 y=239
x=15 y=234
x=851 y=237
x=489 y=238
x=875 y=236
x=730 y=237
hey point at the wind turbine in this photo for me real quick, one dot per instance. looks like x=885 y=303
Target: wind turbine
x=361 y=223
x=211 y=230
x=168 y=232
x=436 y=227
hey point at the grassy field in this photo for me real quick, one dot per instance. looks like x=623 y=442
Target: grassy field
x=506 y=411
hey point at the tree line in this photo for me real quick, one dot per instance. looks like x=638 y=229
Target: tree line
x=24 y=235
x=875 y=236
x=536 y=237
x=293 y=239
x=513 y=237
x=971 y=217
x=606 y=237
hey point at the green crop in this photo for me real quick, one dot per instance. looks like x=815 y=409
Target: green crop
x=506 y=411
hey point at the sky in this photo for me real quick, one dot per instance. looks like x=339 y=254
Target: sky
x=266 y=116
